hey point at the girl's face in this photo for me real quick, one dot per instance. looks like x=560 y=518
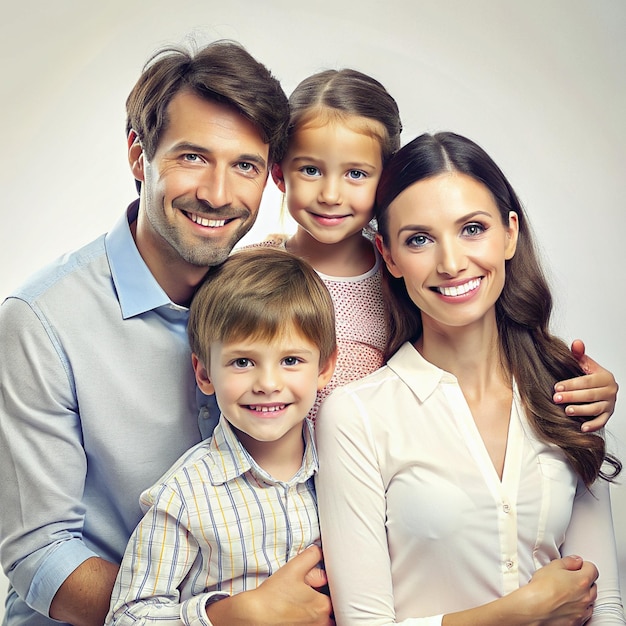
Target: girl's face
x=448 y=243
x=329 y=176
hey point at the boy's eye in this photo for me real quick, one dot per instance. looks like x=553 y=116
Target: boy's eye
x=291 y=360
x=242 y=363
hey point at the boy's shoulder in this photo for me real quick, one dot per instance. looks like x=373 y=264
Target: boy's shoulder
x=201 y=451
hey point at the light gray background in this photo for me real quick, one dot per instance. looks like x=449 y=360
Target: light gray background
x=540 y=84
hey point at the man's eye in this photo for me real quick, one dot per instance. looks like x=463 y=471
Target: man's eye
x=192 y=158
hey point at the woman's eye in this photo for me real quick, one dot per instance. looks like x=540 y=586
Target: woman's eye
x=473 y=229
x=417 y=241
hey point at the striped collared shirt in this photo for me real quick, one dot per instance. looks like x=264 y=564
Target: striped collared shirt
x=217 y=522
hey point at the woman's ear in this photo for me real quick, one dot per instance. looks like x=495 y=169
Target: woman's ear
x=512 y=236
x=202 y=376
x=387 y=258
x=277 y=176
x=135 y=155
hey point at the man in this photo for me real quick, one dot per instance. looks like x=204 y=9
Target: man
x=98 y=395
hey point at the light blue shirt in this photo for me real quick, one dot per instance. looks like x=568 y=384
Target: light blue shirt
x=97 y=400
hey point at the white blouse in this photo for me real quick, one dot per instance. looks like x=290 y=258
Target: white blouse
x=416 y=522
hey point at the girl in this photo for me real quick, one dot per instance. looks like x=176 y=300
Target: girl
x=448 y=479
x=344 y=126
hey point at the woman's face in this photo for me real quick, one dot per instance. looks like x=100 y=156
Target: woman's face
x=447 y=241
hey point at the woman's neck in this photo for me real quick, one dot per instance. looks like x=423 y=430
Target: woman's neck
x=349 y=257
x=472 y=354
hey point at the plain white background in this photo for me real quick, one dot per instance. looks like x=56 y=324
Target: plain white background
x=541 y=85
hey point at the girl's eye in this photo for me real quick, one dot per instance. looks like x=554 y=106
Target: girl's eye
x=291 y=360
x=242 y=363
x=310 y=170
x=417 y=241
x=473 y=229
x=356 y=174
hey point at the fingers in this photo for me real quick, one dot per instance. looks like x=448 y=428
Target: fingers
x=303 y=564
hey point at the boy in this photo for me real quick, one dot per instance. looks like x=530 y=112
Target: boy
x=237 y=506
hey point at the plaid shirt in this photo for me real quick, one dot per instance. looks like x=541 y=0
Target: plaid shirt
x=217 y=523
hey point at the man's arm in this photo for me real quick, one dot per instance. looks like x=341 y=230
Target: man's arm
x=287 y=598
x=83 y=599
x=42 y=464
x=590 y=396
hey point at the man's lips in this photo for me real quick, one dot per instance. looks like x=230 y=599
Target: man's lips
x=201 y=220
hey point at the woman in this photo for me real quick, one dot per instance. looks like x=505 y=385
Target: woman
x=450 y=485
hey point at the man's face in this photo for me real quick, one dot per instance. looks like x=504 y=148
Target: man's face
x=202 y=189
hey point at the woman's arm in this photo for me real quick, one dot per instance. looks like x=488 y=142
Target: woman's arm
x=591 y=396
x=591 y=534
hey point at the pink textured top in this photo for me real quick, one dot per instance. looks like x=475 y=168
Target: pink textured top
x=360 y=323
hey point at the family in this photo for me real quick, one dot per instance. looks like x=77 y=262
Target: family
x=185 y=427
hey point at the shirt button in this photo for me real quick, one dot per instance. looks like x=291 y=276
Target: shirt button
x=506 y=508
x=508 y=564
x=205 y=413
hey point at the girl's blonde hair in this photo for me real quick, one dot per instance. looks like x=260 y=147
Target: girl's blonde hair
x=341 y=94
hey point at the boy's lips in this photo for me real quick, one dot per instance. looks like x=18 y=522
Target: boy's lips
x=266 y=408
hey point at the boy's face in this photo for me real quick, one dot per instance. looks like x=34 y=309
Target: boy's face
x=265 y=388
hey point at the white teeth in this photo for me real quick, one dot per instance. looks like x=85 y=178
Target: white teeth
x=267 y=409
x=459 y=290
x=203 y=221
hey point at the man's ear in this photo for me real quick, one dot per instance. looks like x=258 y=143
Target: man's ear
x=326 y=371
x=277 y=176
x=202 y=376
x=135 y=155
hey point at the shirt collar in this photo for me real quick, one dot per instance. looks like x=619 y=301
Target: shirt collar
x=421 y=376
x=231 y=460
x=137 y=289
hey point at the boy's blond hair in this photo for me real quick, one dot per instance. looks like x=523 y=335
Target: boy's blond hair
x=261 y=293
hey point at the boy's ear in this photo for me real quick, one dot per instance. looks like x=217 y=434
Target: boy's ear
x=326 y=371
x=277 y=176
x=202 y=376
x=135 y=155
